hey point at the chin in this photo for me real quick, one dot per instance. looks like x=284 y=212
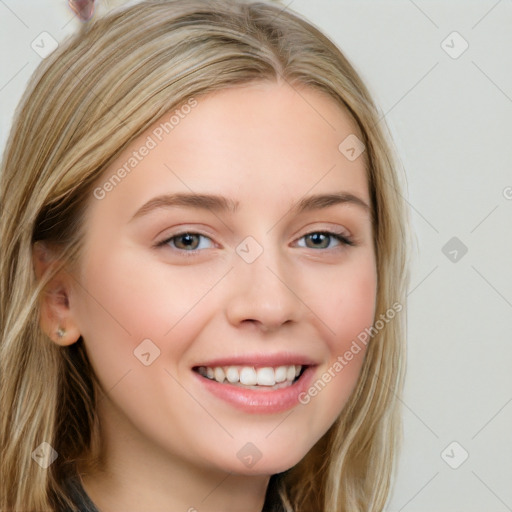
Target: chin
x=267 y=465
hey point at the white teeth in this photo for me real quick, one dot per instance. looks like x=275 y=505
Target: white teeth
x=249 y=376
x=232 y=374
x=265 y=377
x=280 y=373
x=219 y=374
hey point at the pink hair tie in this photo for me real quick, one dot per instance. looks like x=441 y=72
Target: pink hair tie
x=84 y=9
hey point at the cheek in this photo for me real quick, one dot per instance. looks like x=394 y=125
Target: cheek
x=348 y=306
x=125 y=299
x=354 y=310
x=349 y=303
x=117 y=309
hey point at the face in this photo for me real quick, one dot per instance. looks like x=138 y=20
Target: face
x=176 y=291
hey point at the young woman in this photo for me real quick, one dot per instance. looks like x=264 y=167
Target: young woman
x=203 y=271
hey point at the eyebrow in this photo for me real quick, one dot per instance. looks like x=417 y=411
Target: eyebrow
x=217 y=203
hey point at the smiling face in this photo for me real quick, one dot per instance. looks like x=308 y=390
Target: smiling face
x=254 y=284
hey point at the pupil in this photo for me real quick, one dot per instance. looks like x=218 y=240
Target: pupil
x=316 y=237
x=188 y=239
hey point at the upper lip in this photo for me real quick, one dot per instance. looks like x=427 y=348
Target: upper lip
x=260 y=360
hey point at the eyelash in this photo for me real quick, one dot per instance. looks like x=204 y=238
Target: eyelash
x=343 y=239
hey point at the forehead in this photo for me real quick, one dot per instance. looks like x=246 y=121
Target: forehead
x=262 y=142
x=264 y=116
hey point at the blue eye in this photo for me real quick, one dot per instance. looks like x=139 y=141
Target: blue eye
x=189 y=244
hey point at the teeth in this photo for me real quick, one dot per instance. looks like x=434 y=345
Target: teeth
x=219 y=374
x=280 y=373
x=265 y=377
x=249 y=376
x=232 y=374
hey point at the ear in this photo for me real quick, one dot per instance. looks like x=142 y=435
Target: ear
x=56 y=316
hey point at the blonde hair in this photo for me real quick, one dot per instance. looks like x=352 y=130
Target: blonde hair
x=87 y=102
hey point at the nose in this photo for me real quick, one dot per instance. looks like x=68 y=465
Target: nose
x=265 y=292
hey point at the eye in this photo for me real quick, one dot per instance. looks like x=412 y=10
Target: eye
x=190 y=242
x=186 y=242
x=318 y=239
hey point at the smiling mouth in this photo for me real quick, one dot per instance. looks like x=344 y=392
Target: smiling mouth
x=251 y=377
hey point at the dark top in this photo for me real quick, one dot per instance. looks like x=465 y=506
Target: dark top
x=78 y=496
x=83 y=503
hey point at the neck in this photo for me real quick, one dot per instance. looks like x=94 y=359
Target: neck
x=134 y=474
x=136 y=489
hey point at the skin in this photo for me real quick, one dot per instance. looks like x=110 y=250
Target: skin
x=168 y=444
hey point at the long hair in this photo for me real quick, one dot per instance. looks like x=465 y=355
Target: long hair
x=84 y=104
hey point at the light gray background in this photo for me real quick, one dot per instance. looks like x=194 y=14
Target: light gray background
x=451 y=121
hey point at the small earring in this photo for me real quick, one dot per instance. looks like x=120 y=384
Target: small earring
x=60 y=332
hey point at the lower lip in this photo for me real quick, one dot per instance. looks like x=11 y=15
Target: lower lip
x=265 y=401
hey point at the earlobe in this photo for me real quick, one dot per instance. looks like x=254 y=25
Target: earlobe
x=56 y=316
x=65 y=337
